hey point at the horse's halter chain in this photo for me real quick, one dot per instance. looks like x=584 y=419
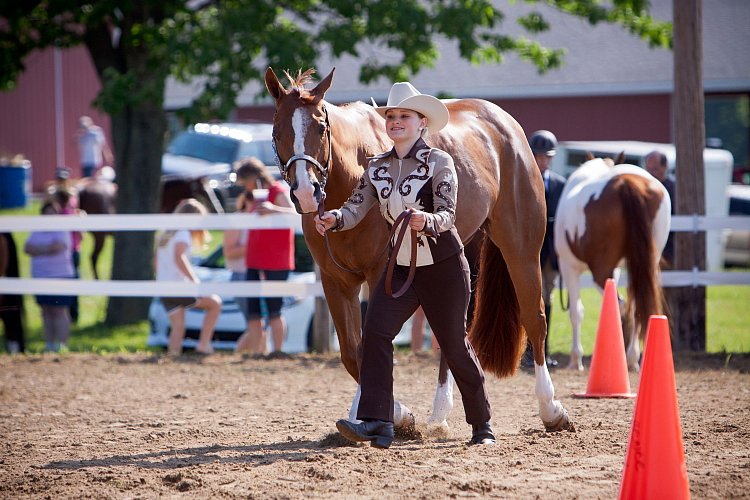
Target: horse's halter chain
x=323 y=171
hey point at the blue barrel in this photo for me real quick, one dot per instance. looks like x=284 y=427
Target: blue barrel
x=13 y=185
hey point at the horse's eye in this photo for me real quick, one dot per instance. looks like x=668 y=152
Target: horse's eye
x=321 y=128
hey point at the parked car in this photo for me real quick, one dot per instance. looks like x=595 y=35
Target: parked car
x=737 y=241
x=209 y=150
x=298 y=311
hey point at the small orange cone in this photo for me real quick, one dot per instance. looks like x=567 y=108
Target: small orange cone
x=608 y=375
x=655 y=463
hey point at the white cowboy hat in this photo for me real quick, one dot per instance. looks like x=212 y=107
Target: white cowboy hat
x=403 y=95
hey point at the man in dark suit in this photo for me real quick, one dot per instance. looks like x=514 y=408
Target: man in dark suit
x=544 y=146
x=656 y=165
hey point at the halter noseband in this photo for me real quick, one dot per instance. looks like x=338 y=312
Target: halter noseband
x=323 y=171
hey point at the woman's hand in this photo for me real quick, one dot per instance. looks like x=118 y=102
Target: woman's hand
x=324 y=222
x=265 y=208
x=417 y=220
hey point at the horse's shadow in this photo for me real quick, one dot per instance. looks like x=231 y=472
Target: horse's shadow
x=260 y=454
x=175 y=458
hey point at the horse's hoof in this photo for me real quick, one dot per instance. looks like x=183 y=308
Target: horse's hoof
x=438 y=425
x=578 y=366
x=403 y=418
x=562 y=423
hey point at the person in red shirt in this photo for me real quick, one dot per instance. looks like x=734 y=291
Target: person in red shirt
x=269 y=255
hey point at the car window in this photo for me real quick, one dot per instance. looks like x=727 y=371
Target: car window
x=262 y=150
x=212 y=148
x=303 y=261
x=214 y=260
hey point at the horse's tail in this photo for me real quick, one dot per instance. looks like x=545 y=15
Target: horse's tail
x=496 y=332
x=644 y=289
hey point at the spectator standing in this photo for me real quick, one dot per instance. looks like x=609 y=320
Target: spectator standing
x=544 y=146
x=11 y=306
x=235 y=247
x=67 y=197
x=656 y=165
x=51 y=257
x=93 y=148
x=269 y=256
x=172 y=263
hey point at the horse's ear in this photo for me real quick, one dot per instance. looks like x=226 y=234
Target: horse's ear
x=320 y=89
x=620 y=158
x=589 y=156
x=275 y=88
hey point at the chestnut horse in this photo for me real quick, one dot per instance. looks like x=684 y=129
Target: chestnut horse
x=323 y=150
x=606 y=215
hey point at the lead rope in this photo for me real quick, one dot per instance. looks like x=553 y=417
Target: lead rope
x=402 y=219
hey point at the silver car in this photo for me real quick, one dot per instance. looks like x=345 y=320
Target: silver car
x=298 y=311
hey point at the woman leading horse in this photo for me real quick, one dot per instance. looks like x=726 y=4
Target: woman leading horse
x=438 y=279
x=323 y=150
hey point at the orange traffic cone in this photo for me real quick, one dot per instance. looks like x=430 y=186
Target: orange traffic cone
x=655 y=463
x=608 y=376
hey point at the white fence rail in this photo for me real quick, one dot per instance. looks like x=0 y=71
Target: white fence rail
x=153 y=222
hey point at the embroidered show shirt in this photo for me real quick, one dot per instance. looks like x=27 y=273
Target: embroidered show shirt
x=425 y=179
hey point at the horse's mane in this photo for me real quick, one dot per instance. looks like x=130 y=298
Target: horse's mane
x=298 y=82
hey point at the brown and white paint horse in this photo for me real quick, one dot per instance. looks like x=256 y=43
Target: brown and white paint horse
x=608 y=215
x=323 y=148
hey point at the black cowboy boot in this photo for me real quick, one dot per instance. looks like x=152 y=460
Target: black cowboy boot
x=378 y=432
x=482 y=434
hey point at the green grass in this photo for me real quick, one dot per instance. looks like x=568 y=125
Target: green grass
x=727 y=311
x=727 y=320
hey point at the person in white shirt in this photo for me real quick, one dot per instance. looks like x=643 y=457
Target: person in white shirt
x=172 y=263
x=92 y=146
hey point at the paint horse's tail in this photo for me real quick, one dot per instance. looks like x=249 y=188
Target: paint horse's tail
x=644 y=289
x=496 y=332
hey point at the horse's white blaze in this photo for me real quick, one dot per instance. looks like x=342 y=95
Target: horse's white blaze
x=442 y=405
x=550 y=410
x=305 y=191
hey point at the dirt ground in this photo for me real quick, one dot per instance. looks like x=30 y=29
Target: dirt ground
x=225 y=426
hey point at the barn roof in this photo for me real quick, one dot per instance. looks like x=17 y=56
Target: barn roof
x=600 y=60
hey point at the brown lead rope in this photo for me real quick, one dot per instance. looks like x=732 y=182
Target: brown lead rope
x=403 y=218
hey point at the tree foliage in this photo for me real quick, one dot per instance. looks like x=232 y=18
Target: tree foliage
x=229 y=43
x=136 y=45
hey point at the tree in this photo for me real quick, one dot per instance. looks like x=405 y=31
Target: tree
x=688 y=304
x=137 y=45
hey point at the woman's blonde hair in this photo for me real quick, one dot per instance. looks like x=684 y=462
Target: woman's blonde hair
x=200 y=236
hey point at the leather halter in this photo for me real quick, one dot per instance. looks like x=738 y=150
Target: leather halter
x=323 y=170
x=403 y=220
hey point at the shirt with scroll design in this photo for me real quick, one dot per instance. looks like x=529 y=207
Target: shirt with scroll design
x=425 y=179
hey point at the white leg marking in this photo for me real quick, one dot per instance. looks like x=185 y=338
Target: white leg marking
x=442 y=405
x=633 y=351
x=402 y=415
x=571 y=278
x=550 y=410
x=355 y=405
